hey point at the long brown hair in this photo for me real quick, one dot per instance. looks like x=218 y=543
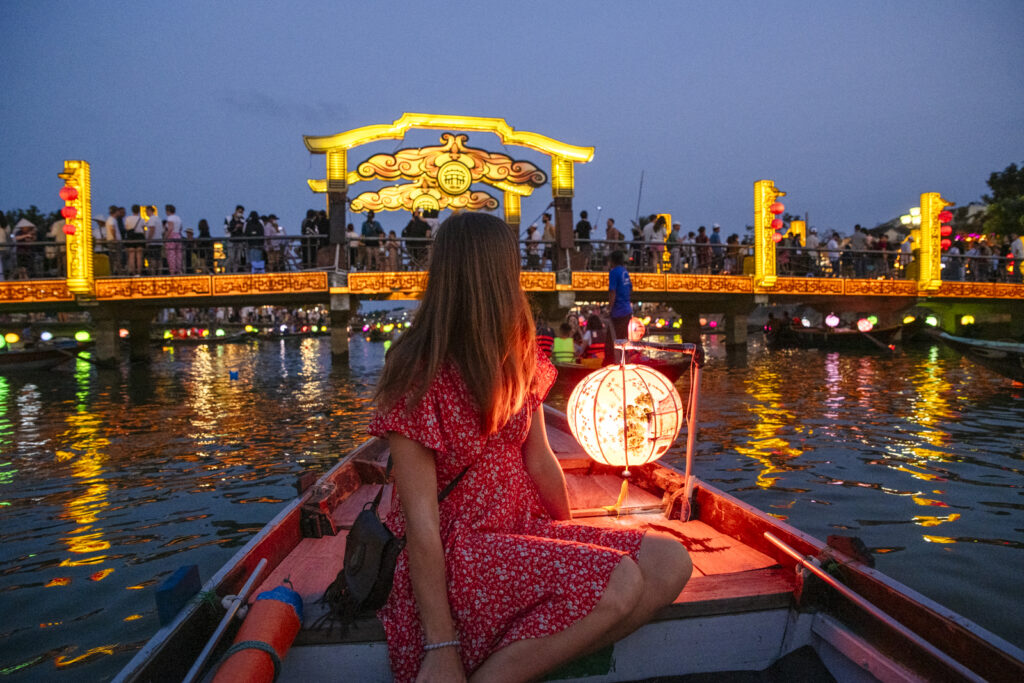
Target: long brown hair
x=473 y=314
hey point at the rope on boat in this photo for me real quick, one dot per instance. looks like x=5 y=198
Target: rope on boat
x=197 y=667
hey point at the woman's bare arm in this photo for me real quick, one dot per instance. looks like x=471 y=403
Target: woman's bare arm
x=416 y=479
x=544 y=469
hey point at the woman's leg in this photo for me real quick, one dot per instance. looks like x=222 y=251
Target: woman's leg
x=635 y=592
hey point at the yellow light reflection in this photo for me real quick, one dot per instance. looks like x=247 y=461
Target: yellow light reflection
x=770 y=418
x=86 y=455
x=63 y=661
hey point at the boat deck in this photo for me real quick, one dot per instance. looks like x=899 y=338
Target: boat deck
x=728 y=576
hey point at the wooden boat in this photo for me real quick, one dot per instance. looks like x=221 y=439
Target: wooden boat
x=757 y=599
x=1003 y=357
x=671 y=368
x=880 y=338
x=40 y=356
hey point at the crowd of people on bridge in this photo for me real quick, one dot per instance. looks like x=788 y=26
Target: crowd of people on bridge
x=145 y=241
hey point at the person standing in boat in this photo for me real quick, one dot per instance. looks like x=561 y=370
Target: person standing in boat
x=620 y=291
x=495 y=582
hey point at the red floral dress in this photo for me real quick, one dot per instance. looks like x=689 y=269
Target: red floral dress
x=513 y=572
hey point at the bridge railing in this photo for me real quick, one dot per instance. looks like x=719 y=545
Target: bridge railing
x=288 y=253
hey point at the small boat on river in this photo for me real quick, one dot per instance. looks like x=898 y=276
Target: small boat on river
x=1003 y=357
x=837 y=338
x=763 y=596
x=38 y=356
x=670 y=367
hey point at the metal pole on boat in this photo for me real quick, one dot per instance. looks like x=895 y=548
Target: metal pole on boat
x=193 y=673
x=691 y=427
x=874 y=611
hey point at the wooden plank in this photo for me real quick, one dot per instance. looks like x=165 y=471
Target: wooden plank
x=751 y=591
x=712 y=552
x=345 y=514
x=563 y=443
x=598 y=490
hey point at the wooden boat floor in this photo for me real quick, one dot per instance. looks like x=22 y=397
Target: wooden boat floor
x=728 y=576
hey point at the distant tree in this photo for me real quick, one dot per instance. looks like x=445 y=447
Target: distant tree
x=1005 y=211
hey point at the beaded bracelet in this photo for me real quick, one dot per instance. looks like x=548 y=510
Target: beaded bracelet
x=438 y=646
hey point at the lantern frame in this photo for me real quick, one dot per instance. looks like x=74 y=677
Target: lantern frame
x=686 y=409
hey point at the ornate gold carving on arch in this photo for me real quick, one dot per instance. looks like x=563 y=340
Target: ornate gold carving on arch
x=421 y=195
x=483 y=166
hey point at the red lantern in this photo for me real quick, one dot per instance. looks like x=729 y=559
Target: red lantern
x=945 y=230
x=946 y=243
x=69 y=212
x=777 y=208
x=69 y=228
x=68 y=193
x=945 y=216
x=777 y=237
x=777 y=224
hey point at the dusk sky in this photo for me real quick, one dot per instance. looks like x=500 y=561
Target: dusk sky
x=853 y=108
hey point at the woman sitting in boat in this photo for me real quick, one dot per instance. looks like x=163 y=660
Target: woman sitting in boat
x=495 y=582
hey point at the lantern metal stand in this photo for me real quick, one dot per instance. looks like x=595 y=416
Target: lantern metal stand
x=649 y=406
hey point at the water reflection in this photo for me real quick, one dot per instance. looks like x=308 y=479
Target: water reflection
x=110 y=480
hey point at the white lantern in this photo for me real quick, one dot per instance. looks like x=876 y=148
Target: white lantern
x=832 y=320
x=625 y=415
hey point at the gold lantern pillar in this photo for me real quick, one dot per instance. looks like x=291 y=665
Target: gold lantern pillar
x=337 y=199
x=77 y=214
x=929 y=241
x=513 y=210
x=562 y=192
x=765 y=194
x=799 y=228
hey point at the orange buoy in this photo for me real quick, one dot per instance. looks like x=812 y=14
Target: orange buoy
x=264 y=638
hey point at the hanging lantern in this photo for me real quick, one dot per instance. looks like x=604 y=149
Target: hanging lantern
x=777 y=237
x=777 y=208
x=68 y=193
x=777 y=224
x=946 y=230
x=907 y=319
x=625 y=415
x=69 y=228
x=946 y=243
x=832 y=320
x=636 y=329
x=69 y=212
x=967 y=320
x=864 y=325
x=945 y=216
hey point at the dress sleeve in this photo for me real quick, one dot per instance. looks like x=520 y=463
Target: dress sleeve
x=543 y=377
x=422 y=423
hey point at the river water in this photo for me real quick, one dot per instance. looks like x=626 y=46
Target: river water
x=112 y=479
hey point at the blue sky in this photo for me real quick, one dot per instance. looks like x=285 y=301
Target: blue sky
x=854 y=109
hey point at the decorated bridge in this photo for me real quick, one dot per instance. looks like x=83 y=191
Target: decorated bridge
x=442 y=177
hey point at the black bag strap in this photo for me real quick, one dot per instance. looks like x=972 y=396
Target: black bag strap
x=441 y=496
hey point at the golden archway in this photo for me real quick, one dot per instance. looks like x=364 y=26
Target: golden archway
x=443 y=174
